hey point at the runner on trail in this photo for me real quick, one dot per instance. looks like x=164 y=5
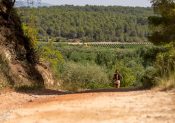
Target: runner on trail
x=117 y=79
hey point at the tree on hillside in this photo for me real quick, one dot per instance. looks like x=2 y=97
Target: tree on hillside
x=164 y=22
x=90 y=23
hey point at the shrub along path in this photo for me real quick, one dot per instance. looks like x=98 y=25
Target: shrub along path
x=104 y=106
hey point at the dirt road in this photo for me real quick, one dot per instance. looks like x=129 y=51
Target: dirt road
x=101 y=106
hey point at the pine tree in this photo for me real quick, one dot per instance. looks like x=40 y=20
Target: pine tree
x=164 y=23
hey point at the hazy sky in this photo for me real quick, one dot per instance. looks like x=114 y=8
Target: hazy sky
x=144 y=3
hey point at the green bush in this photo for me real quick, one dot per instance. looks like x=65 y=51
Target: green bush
x=77 y=76
x=128 y=61
x=49 y=54
x=129 y=77
x=149 y=77
x=81 y=59
x=106 y=58
x=79 y=56
x=165 y=62
x=149 y=54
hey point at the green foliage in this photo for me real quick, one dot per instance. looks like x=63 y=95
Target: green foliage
x=106 y=58
x=159 y=64
x=163 y=27
x=149 y=77
x=149 y=54
x=165 y=62
x=77 y=76
x=82 y=56
x=91 y=23
x=131 y=72
x=163 y=24
x=31 y=34
x=30 y=30
x=128 y=61
x=49 y=54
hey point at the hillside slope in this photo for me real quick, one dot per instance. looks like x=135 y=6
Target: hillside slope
x=17 y=57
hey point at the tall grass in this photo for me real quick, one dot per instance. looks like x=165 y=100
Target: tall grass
x=166 y=64
x=168 y=82
x=4 y=78
x=3 y=81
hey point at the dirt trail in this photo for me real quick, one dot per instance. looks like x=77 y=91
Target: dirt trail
x=103 y=106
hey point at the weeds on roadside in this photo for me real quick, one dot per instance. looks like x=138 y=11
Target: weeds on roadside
x=167 y=83
x=25 y=88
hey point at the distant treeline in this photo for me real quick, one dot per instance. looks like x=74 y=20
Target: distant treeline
x=90 y=23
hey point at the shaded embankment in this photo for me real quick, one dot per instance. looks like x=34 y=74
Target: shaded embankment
x=18 y=60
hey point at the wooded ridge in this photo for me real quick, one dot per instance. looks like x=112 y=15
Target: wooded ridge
x=90 y=23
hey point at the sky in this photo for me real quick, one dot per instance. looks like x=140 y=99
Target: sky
x=141 y=3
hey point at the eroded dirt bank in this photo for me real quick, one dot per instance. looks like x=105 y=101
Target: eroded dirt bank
x=106 y=106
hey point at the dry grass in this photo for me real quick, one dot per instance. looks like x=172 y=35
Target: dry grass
x=3 y=80
x=167 y=83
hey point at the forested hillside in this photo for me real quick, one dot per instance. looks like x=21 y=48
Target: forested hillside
x=90 y=23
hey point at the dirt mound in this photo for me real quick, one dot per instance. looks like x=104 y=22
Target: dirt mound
x=17 y=55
